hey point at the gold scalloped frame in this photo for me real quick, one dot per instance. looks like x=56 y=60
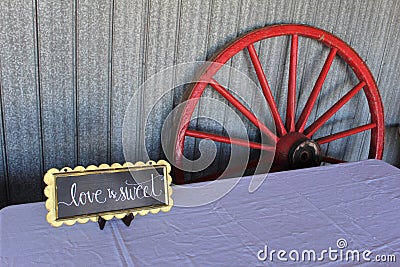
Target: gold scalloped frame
x=50 y=193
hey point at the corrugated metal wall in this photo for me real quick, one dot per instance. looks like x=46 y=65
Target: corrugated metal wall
x=69 y=68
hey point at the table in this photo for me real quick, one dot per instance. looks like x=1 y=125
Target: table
x=295 y=211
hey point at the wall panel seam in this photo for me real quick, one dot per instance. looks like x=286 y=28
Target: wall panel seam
x=144 y=49
x=176 y=50
x=3 y=139
x=110 y=79
x=75 y=77
x=38 y=87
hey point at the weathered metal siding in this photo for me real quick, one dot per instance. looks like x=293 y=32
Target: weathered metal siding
x=21 y=103
x=57 y=65
x=69 y=68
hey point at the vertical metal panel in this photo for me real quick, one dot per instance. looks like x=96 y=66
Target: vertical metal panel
x=191 y=46
x=355 y=112
x=20 y=101
x=273 y=53
x=221 y=31
x=327 y=17
x=324 y=15
x=93 y=120
x=3 y=162
x=192 y=38
x=160 y=54
x=129 y=20
x=373 y=33
x=303 y=13
x=341 y=80
x=56 y=35
x=251 y=15
x=388 y=80
x=308 y=52
x=366 y=27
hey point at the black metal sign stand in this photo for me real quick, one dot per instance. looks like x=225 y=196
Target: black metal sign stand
x=126 y=220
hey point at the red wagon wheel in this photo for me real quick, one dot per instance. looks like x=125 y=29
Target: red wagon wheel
x=295 y=146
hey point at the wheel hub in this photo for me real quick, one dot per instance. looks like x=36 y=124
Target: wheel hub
x=307 y=153
x=296 y=151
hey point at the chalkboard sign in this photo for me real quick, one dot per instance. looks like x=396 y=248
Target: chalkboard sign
x=80 y=195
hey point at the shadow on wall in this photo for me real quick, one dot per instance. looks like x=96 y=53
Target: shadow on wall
x=392 y=143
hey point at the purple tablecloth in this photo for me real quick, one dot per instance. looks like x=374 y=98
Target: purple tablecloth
x=345 y=207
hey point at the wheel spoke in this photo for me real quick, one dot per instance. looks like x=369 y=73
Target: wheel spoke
x=280 y=128
x=227 y=140
x=333 y=137
x=328 y=114
x=291 y=98
x=228 y=96
x=332 y=160
x=301 y=123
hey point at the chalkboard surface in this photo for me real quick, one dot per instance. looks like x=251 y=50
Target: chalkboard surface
x=109 y=191
x=82 y=194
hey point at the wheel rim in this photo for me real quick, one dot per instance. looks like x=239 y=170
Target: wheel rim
x=291 y=133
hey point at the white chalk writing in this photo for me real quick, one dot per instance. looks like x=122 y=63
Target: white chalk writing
x=127 y=192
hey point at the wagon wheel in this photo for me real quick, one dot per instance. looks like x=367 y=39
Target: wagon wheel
x=295 y=146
